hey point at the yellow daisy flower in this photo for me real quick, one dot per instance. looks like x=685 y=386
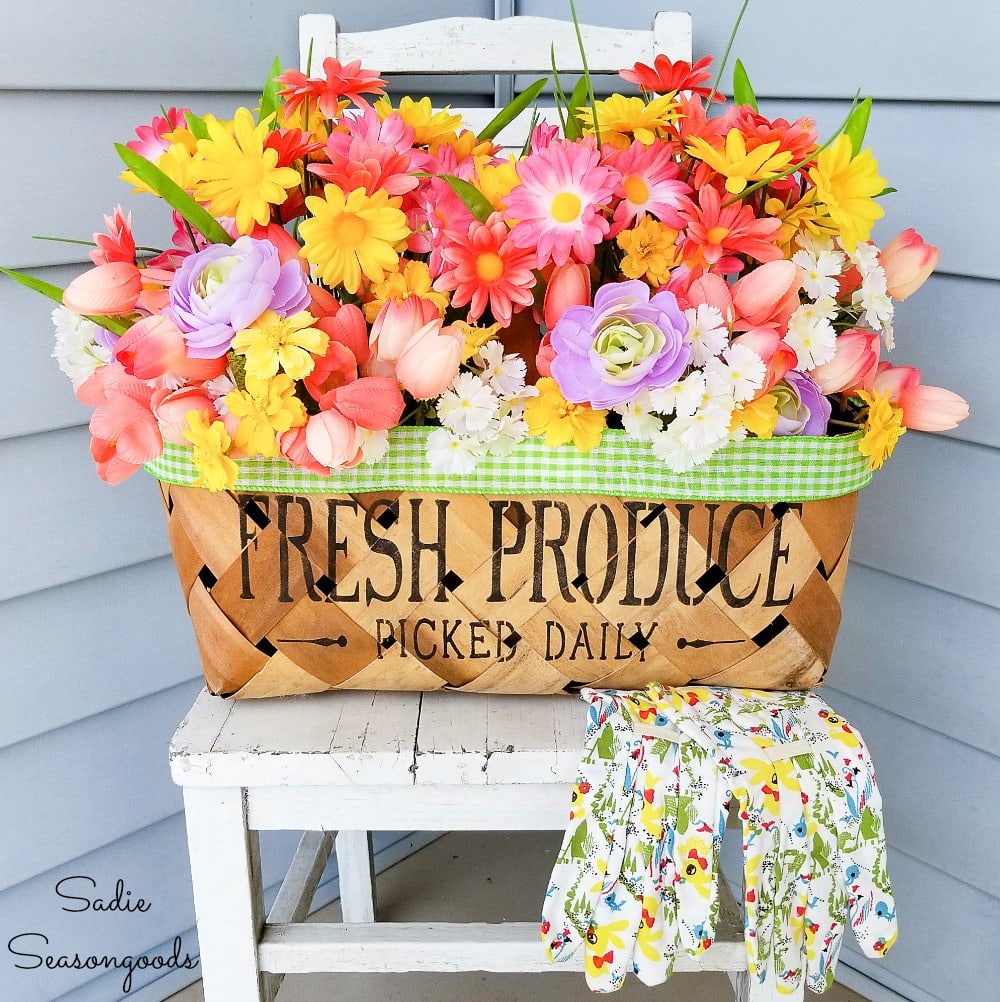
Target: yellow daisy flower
x=738 y=166
x=431 y=128
x=846 y=186
x=177 y=163
x=351 y=235
x=272 y=342
x=236 y=176
x=552 y=415
x=209 y=444
x=414 y=279
x=882 y=428
x=497 y=180
x=621 y=118
x=650 y=251
x=266 y=408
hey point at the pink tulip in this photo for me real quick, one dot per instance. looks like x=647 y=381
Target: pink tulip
x=122 y=418
x=708 y=290
x=544 y=356
x=776 y=353
x=853 y=365
x=767 y=296
x=171 y=409
x=154 y=347
x=932 y=408
x=430 y=363
x=908 y=262
x=347 y=326
x=398 y=324
x=372 y=402
x=569 y=285
x=292 y=445
x=333 y=440
x=335 y=369
x=894 y=379
x=105 y=291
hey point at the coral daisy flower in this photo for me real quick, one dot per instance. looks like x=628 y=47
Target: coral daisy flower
x=846 y=186
x=351 y=235
x=488 y=269
x=716 y=232
x=667 y=77
x=340 y=81
x=237 y=176
x=649 y=183
x=558 y=202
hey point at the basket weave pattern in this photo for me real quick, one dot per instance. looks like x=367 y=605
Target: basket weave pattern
x=529 y=594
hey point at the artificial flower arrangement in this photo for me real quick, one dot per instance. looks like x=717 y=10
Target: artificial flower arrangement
x=662 y=261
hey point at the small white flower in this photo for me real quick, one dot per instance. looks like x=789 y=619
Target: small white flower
x=218 y=388
x=683 y=397
x=669 y=450
x=508 y=432
x=374 y=444
x=76 y=349
x=865 y=258
x=448 y=453
x=739 y=373
x=811 y=334
x=706 y=429
x=504 y=374
x=874 y=299
x=888 y=335
x=468 y=405
x=707 y=333
x=822 y=269
x=638 y=418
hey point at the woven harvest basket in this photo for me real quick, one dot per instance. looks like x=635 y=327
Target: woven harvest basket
x=539 y=572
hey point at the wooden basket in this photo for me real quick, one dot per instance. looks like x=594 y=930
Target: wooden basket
x=515 y=593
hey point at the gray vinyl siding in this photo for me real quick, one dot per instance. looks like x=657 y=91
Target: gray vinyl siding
x=97 y=662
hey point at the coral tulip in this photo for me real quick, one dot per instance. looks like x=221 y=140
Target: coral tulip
x=853 y=366
x=767 y=296
x=372 y=402
x=398 y=324
x=105 y=291
x=154 y=347
x=347 y=327
x=544 y=356
x=430 y=363
x=777 y=354
x=908 y=262
x=569 y=285
x=894 y=379
x=292 y=445
x=932 y=408
x=333 y=440
x=171 y=408
x=708 y=290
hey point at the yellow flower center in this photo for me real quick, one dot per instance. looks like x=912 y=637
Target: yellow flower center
x=348 y=230
x=248 y=174
x=717 y=234
x=636 y=190
x=565 y=207
x=489 y=266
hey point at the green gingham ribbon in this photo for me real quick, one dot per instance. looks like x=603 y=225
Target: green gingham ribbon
x=789 y=468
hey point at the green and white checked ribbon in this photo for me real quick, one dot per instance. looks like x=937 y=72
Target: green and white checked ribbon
x=779 y=469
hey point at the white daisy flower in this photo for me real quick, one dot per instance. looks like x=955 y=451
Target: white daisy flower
x=504 y=374
x=707 y=333
x=811 y=334
x=508 y=432
x=738 y=374
x=822 y=270
x=706 y=429
x=468 y=405
x=374 y=444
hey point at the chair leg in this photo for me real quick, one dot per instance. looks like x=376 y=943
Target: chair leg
x=228 y=898
x=356 y=866
x=741 y=985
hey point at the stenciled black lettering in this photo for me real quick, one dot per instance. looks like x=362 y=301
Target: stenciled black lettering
x=778 y=553
x=286 y=539
x=379 y=544
x=610 y=556
x=338 y=544
x=438 y=546
x=684 y=514
x=725 y=588
x=415 y=643
x=248 y=539
x=556 y=544
x=499 y=551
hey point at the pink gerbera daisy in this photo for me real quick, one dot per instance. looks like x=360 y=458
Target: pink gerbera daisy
x=485 y=268
x=649 y=184
x=715 y=233
x=340 y=80
x=559 y=200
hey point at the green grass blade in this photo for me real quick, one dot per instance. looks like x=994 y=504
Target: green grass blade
x=269 y=96
x=175 y=196
x=742 y=91
x=475 y=201
x=507 y=114
x=857 y=125
x=54 y=293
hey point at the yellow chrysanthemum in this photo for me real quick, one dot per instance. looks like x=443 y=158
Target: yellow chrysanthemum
x=431 y=128
x=759 y=417
x=414 y=279
x=882 y=428
x=265 y=409
x=353 y=235
x=468 y=144
x=621 y=118
x=846 y=186
x=800 y=216
x=236 y=176
x=209 y=444
x=650 y=251
x=552 y=415
x=497 y=180
x=289 y=343
x=738 y=166
x=475 y=337
x=177 y=163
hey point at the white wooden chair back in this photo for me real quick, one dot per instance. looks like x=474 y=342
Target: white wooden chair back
x=475 y=45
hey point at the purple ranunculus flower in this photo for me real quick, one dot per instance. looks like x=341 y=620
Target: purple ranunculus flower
x=606 y=354
x=802 y=407
x=223 y=289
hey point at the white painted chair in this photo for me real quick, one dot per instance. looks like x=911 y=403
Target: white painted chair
x=353 y=762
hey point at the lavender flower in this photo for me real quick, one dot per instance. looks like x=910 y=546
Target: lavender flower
x=802 y=407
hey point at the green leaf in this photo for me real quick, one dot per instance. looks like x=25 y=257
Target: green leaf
x=54 y=293
x=506 y=115
x=577 y=100
x=475 y=201
x=175 y=196
x=196 y=125
x=742 y=91
x=857 y=125
x=269 y=96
